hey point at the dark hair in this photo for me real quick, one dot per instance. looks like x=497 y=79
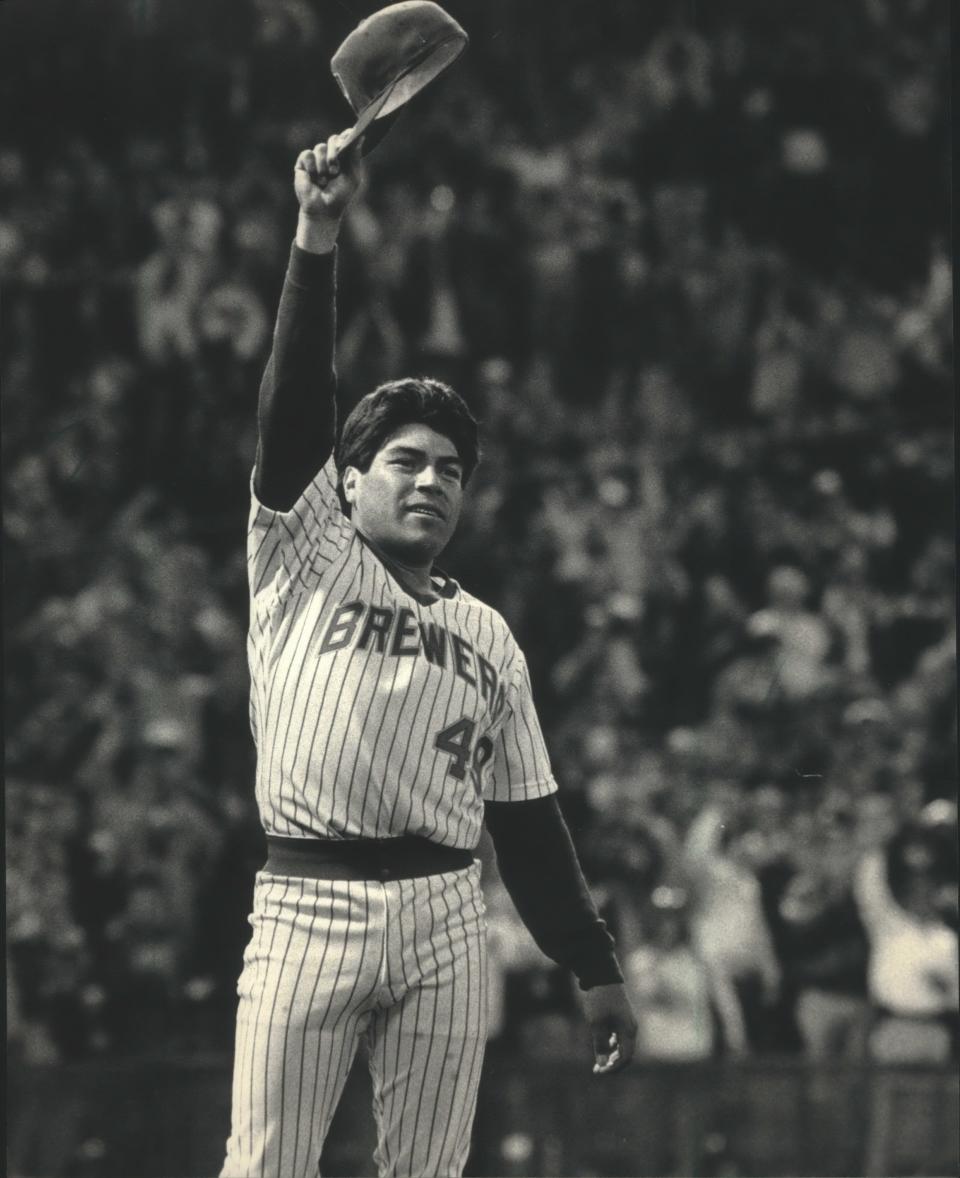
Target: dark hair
x=416 y=400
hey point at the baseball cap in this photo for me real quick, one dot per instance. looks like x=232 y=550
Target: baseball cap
x=390 y=57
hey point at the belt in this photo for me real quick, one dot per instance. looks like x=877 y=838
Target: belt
x=408 y=856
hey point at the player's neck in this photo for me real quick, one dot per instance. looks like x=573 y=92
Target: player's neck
x=412 y=575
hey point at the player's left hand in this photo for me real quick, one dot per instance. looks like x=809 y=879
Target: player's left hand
x=613 y=1026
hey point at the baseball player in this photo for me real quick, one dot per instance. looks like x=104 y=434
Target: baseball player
x=393 y=717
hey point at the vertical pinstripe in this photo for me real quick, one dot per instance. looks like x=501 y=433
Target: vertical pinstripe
x=403 y=963
x=424 y=721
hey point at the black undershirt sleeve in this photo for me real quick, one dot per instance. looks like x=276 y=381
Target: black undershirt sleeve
x=539 y=868
x=296 y=413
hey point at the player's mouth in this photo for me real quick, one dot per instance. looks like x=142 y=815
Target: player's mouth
x=428 y=509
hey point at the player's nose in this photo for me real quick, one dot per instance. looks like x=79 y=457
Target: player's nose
x=428 y=478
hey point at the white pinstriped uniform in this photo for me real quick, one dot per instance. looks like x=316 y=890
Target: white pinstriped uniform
x=375 y=714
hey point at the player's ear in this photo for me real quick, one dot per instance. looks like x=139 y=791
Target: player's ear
x=350 y=477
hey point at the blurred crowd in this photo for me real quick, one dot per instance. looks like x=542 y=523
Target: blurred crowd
x=694 y=278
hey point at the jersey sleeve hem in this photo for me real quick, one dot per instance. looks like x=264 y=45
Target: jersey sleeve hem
x=281 y=543
x=320 y=494
x=524 y=791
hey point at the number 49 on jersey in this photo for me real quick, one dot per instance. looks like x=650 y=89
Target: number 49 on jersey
x=457 y=740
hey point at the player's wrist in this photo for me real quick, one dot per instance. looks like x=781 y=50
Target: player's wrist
x=317 y=234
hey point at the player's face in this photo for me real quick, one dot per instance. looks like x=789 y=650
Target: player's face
x=409 y=501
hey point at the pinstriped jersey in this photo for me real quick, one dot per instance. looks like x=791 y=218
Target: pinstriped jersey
x=375 y=713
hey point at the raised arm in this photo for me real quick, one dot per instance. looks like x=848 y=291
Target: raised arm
x=297 y=407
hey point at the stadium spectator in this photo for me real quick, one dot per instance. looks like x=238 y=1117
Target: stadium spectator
x=825 y=946
x=913 y=970
x=728 y=925
x=678 y=997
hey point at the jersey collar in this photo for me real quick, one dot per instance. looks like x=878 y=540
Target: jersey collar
x=445 y=586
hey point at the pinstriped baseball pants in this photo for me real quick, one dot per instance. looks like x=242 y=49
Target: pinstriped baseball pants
x=402 y=963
